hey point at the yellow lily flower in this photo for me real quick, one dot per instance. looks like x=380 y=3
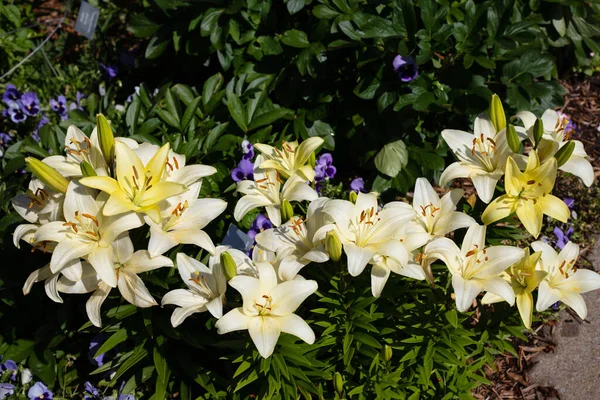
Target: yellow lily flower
x=524 y=277
x=528 y=194
x=292 y=158
x=138 y=187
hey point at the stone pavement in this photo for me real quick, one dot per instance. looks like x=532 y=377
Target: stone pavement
x=573 y=369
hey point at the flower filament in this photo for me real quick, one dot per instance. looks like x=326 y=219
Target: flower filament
x=87 y=226
x=203 y=286
x=264 y=305
x=484 y=149
x=38 y=198
x=80 y=150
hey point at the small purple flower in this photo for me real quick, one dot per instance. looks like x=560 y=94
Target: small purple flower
x=260 y=223
x=406 y=68
x=130 y=97
x=244 y=170
x=556 y=305
x=6 y=389
x=16 y=113
x=59 y=105
x=569 y=202
x=247 y=149
x=11 y=94
x=324 y=168
x=91 y=392
x=124 y=396
x=562 y=238
x=30 y=104
x=95 y=344
x=77 y=104
x=109 y=71
x=571 y=130
x=39 y=391
x=9 y=365
x=357 y=185
x=5 y=139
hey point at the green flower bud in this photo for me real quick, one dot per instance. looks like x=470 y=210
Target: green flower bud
x=338 y=383
x=513 y=139
x=538 y=132
x=48 y=175
x=333 y=246
x=287 y=211
x=312 y=160
x=353 y=197
x=497 y=113
x=229 y=266
x=386 y=353
x=106 y=139
x=565 y=152
x=87 y=169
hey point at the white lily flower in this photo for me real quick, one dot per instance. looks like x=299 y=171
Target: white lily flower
x=398 y=256
x=475 y=268
x=362 y=229
x=183 y=222
x=481 y=156
x=206 y=288
x=40 y=204
x=564 y=281
x=128 y=265
x=291 y=159
x=86 y=233
x=555 y=136
x=300 y=239
x=266 y=191
x=268 y=309
x=80 y=148
x=435 y=216
x=73 y=270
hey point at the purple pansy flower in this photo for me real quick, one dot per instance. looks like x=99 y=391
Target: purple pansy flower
x=247 y=149
x=6 y=389
x=11 y=94
x=357 y=185
x=77 y=104
x=91 y=392
x=569 y=202
x=324 y=168
x=562 y=238
x=5 y=139
x=59 y=105
x=260 y=223
x=16 y=113
x=9 y=365
x=405 y=67
x=571 y=129
x=244 y=170
x=109 y=71
x=39 y=391
x=30 y=104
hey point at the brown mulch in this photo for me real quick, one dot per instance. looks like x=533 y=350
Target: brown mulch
x=509 y=375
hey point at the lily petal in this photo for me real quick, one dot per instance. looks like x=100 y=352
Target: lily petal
x=294 y=325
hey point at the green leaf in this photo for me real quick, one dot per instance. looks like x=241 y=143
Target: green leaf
x=138 y=355
x=294 y=6
x=324 y=12
x=12 y=13
x=295 y=38
x=452 y=317
x=172 y=104
x=367 y=339
x=133 y=113
x=115 y=339
x=210 y=21
x=149 y=126
x=141 y=26
x=268 y=118
x=392 y=158
x=167 y=117
x=43 y=366
x=157 y=45
x=190 y=112
x=211 y=86
x=237 y=111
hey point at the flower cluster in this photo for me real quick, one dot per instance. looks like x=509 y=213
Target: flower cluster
x=19 y=105
x=81 y=207
x=245 y=168
x=324 y=170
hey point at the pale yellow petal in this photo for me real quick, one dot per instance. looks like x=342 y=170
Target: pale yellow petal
x=498 y=209
x=554 y=207
x=531 y=216
x=156 y=165
x=103 y=183
x=129 y=168
x=160 y=191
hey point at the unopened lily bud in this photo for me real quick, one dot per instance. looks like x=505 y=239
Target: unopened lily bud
x=333 y=246
x=87 y=169
x=565 y=152
x=386 y=353
x=48 y=175
x=106 y=139
x=338 y=383
x=513 y=139
x=312 y=160
x=229 y=265
x=287 y=211
x=353 y=197
x=497 y=113
x=538 y=132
